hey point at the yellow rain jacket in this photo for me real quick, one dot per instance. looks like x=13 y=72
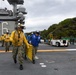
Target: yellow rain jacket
x=18 y=38
x=2 y=37
x=7 y=38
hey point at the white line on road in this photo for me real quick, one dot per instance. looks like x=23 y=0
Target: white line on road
x=71 y=49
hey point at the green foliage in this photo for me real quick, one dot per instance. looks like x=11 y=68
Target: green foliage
x=44 y=33
x=66 y=28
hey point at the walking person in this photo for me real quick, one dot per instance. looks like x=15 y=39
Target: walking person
x=7 y=41
x=35 y=40
x=2 y=40
x=18 y=39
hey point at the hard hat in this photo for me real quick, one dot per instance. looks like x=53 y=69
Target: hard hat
x=7 y=32
x=21 y=26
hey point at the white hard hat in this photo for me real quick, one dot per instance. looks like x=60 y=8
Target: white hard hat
x=22 y=26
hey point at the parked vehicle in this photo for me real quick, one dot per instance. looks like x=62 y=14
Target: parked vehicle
x=42 y=41
x=59 y=43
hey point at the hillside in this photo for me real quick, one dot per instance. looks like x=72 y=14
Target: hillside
x=66 y=28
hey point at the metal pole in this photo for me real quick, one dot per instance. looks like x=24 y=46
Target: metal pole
x=14 y=9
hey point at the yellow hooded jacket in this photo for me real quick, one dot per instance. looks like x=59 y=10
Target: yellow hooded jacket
x=18 y=38
x=2 y=37
x=7 y=38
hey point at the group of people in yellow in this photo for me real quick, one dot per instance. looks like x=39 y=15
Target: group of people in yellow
x=20 y=44
x=5 y=39
x=18 y=40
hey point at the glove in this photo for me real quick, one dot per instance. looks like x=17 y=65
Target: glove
x=29 y=45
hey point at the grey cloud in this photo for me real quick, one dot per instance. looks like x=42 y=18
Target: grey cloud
x=51 y=7
x=36 y=28
x=41 y=8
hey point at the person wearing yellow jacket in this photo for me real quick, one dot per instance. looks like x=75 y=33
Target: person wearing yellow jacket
x=18 y=39
x=7 y=41
x=2 y=39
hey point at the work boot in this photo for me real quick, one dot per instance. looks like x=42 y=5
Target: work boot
x=15 y=61
x=21 y=67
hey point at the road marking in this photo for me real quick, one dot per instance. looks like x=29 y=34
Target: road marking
x=42 y=65
x=71 y=49
x=57 y=50
x=54 y=50
x=3 y=51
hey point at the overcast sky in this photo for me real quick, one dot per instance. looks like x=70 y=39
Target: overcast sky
x=44 y=13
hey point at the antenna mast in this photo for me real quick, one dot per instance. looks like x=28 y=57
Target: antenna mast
x=15 y=3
